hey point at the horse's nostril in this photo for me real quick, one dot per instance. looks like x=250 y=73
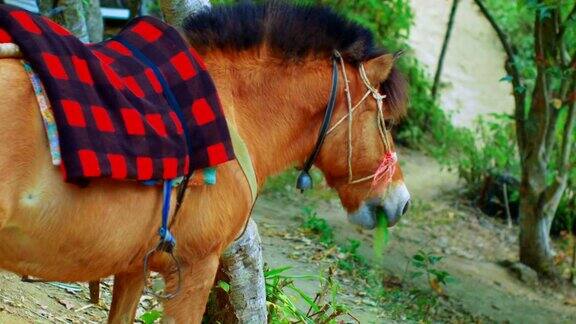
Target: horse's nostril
x=406 y=207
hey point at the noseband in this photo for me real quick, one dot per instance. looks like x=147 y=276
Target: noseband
x=387 y=167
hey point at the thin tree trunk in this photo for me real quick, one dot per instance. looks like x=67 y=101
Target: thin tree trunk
x=175 y=11
x=94 y=21
x=440 y=65
x=83 y=19
x=134 y=7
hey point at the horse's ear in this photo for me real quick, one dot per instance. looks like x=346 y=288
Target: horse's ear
x=378 y=69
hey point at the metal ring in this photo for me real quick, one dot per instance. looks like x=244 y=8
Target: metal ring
x=178 y=267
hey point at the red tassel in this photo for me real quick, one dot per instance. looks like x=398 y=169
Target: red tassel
x=386 y=170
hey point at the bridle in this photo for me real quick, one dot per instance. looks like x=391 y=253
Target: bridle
x=304 y=179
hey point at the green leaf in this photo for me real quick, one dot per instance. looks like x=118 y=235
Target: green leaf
x=309 y=300
x=272 y=273
x=433 y=259
x=418 y=258
x=416 y=274
x=151 y=316
x=507 y=78
x=520 y=89
x=224 y=285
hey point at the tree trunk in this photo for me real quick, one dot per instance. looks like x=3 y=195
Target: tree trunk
x=243 y=264
x=440 y=65
x=81 y=18
x=535 y=249
x=537 y=207
x=175 y=11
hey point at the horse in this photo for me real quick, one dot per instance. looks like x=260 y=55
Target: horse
x=275 y=67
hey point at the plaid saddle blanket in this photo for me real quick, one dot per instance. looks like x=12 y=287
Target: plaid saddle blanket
x=140 y=105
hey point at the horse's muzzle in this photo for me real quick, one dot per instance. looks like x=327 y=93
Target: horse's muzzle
x=394 y=204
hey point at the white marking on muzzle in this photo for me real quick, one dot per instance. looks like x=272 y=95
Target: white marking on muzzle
x=394 y=203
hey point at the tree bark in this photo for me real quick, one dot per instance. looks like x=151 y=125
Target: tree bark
x=94 y=21
x=175 y=11
x=243 y=264
x=81 y=18
x=440 y=65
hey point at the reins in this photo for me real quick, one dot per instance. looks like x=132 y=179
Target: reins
x=304 y=180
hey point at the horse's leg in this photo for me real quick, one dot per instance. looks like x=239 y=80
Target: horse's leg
x=94 y=291
x=197 y=281
x=126 y=295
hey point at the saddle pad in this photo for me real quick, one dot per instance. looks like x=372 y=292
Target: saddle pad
x=138 y=106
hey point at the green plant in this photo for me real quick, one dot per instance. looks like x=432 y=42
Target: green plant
x=412 y=305
x=350 y=259
x=284 y=308
x=492 y=152
x=426 y=263
x=317 y=227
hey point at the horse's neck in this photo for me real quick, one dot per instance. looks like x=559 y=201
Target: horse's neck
x=276 y=109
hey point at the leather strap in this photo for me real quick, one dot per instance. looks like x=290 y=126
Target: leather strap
x=304 y=179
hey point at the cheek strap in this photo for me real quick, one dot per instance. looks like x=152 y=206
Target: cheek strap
x=304 y=181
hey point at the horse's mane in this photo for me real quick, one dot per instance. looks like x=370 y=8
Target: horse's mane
x=292 y=32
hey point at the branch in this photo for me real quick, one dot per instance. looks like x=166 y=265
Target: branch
x=556 y=190
x=449 y=28
x=512 y=69
x=568 y=139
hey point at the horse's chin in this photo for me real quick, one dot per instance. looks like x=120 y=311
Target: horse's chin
x=364 y=217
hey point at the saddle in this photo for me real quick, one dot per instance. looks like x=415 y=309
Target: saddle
x=138 y=106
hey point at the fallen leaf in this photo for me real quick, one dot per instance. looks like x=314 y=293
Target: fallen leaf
x=557 y=103
x=570 y=301
x=436 y=286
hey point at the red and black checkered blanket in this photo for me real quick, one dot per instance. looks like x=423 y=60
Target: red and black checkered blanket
x=138 y=106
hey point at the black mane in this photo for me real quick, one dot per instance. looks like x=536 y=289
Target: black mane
x=291 y=31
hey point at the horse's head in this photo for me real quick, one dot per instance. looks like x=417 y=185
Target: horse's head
x=272 y=66
x=358 y=157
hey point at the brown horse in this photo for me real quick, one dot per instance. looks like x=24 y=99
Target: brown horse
x=272 y=66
